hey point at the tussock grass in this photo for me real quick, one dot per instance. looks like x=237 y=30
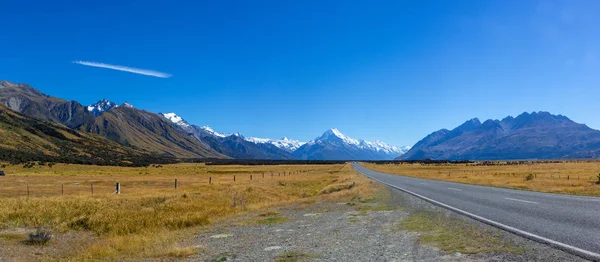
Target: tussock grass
x=567 y=177
x=148 y=219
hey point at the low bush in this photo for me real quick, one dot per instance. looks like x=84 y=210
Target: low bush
x=41 y=236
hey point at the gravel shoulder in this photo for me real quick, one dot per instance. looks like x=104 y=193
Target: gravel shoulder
x=367 y=230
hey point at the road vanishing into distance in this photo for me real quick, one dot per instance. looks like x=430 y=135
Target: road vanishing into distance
x=571 y=223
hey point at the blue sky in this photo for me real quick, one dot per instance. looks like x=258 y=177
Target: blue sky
x=388 y=70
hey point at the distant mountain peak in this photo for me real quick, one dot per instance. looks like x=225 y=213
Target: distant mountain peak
x=209 y=130
x=335 y=134
x=101 y=106
x=535 y=135
x=285 y=143
x=127 y=104
x=334 y=145
x=177 y=120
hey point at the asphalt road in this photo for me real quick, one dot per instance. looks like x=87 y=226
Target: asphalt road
x=570 y=220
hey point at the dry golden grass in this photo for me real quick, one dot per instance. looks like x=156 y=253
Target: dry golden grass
x=566 y=177
x=150 y=216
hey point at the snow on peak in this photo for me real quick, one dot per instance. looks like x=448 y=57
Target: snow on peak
x=101 y=106
x=335 y=134
x=175 y=119
x=209 y=130
x=285 y=143
x=383 y=147
x=127 y=104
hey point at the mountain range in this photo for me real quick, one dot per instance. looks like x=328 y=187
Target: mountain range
x=325 y=147
x=537 y=135
x=39 y=125
x=24 y=138
x=333 y=145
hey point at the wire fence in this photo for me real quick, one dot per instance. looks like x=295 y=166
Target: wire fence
x=18 y=186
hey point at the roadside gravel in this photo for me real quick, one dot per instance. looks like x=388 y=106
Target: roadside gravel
x=353 y=231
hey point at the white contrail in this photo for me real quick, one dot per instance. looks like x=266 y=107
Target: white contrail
x=125 y=68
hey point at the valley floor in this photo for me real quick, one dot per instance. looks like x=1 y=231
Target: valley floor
x=310 y=212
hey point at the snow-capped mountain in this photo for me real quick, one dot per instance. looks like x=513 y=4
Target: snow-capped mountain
x=101 y=106
x=232 y=145
x=210 y=131
x=333 y=145
x=104 y=105
x=286 y=144
x=127 y=104
x=177 y=120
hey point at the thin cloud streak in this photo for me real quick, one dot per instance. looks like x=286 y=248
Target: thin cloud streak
x=125 y=69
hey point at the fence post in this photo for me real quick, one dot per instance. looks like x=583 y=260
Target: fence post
x=62 y=191
x=250 y=177
x=233 y=178
x=27 y=190
x=92 y=188
x=263 y=174
x=118 y=188
x=210 y=180
x=176 y=184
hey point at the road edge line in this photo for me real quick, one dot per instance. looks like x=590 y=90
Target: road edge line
x=559 y=245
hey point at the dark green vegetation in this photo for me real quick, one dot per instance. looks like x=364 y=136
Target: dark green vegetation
x=148 y=131
x=528 y=136
x=24 y=139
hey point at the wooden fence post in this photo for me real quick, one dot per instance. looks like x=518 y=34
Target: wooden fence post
x=250 y=177
x=62 y=191
x=118 y=188
x=176 y=184
x=92 y=188
x=27 y=190
x=210 y=180
x=233 y=178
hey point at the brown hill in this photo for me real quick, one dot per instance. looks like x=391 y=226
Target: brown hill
x=148 y=131
x=24 y=138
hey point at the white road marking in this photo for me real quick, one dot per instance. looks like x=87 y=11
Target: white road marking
x=525 y=201
x=566 y=247
x=423 y=183
x=451 y=188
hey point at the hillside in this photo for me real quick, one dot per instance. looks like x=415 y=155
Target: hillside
x=148 y=131
x=24 y=138
x=235 y=146
x=538 y=135
x=31 y=102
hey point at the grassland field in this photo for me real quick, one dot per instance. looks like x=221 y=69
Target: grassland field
x=564 y=177
x=150 y=218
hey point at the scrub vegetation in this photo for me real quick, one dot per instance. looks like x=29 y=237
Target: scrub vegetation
x=152 y=218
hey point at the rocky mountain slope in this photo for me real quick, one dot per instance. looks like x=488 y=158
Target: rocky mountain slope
x=539 y=135
x=235 y=146
x=24 y=138
x=29 y=101
x=148 y=131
